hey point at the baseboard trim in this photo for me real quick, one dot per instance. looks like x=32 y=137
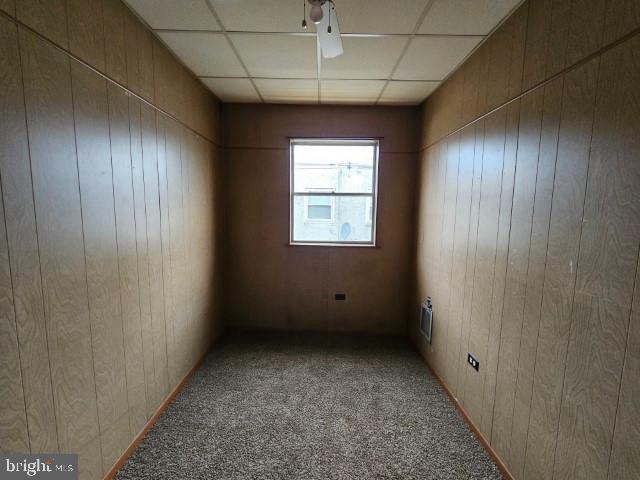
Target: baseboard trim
x=504 y=471
x=151 y=422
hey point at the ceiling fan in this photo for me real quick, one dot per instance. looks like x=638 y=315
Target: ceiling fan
x=323 y=14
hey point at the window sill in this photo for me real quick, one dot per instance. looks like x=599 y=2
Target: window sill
x=326 y=244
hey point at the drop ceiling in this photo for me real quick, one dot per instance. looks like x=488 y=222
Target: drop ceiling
x=396 y=52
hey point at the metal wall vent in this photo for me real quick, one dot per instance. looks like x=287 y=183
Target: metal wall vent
x=426 y=319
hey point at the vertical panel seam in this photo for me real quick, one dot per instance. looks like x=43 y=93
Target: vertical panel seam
x=184 y=232
x=135 y=225
x=515 y=171
x=84 y=249
x=575 y=278
x=526 y=288
x=104 y=53
x=146 y=236
x=475 y=245
x=455 y=223
x=35 y=221
x=524 y=48
x=624 y=362
x=15 y=320
x=535 y=360
x=115 y=223
x=566 y=43
x=164 y=296
x=444 y=192
x=466 y=253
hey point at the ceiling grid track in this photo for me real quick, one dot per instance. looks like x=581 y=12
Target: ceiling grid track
x=306 y=78
x=233 y=47
x=475 y=49
x=421 y=18
x=423 y=44
x=313 y=34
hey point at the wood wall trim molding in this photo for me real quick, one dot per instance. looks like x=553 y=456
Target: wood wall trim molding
x=111 y=473
x=504 y=471
x=130 y=92
x=535 y=87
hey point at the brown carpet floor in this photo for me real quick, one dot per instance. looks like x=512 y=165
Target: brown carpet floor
x=276 y=406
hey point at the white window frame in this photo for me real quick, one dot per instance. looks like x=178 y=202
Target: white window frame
x=374 y=142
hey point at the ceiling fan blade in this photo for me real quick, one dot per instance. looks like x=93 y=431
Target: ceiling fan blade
x=330 y=43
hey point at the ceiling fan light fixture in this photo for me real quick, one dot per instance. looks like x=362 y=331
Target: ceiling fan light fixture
x=315 y=15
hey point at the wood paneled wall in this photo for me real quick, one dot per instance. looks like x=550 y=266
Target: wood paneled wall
x=108 y=37
x=273 y=285
x=110 y=236
x=529 y=235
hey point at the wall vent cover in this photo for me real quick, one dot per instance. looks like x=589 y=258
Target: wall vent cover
x=426 y=319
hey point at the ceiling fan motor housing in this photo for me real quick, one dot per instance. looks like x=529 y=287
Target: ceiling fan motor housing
x=316 y=14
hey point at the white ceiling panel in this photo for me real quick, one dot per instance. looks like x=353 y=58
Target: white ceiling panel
x=175 y=15
x=466 y=17
x=235 y=42
x=277 y=56
x=354 y=16
x=288 y=90
x=350 y=91
x=233 y=89
x=261 y=16
x=407 y=93
x=433 y=58
x=206 y=54
x=379 y=16
x=364 y=58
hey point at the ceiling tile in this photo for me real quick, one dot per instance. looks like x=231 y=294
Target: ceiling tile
x=379 y=16
x=169 y=14
x=466 y=17
x=350 y=91
x=233 y=89
x=433 y=58
x=364 y=57
x=277 y=56
x=354 y=16
x=262 y=16
x=206 y=54
x=288 y=90
x=407 y=93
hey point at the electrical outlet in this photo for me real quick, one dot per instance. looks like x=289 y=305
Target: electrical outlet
x=471 y=360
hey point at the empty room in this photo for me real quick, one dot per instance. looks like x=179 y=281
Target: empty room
x=320 y=239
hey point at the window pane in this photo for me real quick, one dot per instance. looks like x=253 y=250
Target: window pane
x=349 y=222
x=336 y=168
x=319 y=201
x=319 y=212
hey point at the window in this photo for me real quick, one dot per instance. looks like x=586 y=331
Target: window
x=333 y=191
